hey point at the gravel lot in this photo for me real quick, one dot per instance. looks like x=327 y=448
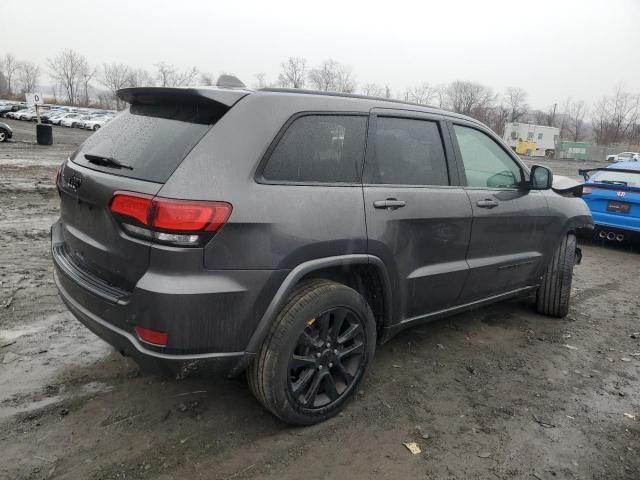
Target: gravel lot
x=500 y=392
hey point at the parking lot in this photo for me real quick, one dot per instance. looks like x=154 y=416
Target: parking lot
x=499 y=392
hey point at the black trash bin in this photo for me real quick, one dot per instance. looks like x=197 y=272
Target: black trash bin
x=44 y=134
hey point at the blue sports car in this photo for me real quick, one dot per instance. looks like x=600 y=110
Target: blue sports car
x=613 y=195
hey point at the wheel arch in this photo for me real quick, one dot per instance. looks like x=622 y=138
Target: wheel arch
x=364 y=273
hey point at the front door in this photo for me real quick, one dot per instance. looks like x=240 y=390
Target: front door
x=418 y=217
x=508 y=233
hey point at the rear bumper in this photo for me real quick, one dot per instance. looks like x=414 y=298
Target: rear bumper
x=128 y=344
x=616 y=221
x=208 y=315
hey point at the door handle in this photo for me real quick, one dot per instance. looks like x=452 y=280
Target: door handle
x=487 y=203
x=389 y=203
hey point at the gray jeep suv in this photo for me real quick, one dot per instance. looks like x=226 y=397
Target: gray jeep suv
x=285 y=233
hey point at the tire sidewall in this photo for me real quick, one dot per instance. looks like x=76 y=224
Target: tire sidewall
x=333 y=296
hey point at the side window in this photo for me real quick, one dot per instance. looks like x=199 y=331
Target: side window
x=407 y=152
x=319 y=148
x=485 y=163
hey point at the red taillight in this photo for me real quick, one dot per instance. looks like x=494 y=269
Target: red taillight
x=187 y=216
x=161 y=215
x=153 y=337
x=133 y=206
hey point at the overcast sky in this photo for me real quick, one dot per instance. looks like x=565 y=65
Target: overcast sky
x=551 y=48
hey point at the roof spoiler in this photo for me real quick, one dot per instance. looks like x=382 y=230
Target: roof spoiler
x=586 y=171
x=156 y=95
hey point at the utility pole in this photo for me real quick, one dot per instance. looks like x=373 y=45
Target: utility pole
x=553 y=115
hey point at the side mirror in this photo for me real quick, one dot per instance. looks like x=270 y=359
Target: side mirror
x=541 y=178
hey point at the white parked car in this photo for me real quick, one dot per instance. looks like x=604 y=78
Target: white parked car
x=96 y=122
x=59 y=118
x=624 y=157
x=74 y=120
x=23 y=114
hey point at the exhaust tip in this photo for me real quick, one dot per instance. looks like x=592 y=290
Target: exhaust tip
x=602 y=234
x=611 y=236
x=620 y=237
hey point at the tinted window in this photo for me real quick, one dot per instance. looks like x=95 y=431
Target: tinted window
x=319 y=148
x=153 y=139
x=486 y=164
x=407 y=152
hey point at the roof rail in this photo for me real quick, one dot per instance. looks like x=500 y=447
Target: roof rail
x=345 y=95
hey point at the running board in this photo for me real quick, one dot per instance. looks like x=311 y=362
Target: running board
x=392 y=330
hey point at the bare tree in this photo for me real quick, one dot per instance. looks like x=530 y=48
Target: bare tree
x=497 y=118
x=332 y=76
x=293 y=73
x=614 y=118
x=576 y=119
x=115 y=76
x=3 y=84
x=170 y=76
x=469 y=98
x=539 y=117
x=515 y=98
x=11 y=66
x=423 y=94
x=624 y=113
x=87 y=73
x=387 y=91
x=165 y=74
x=67 y=69
x=139 y=77
x=261 y=80
x=600 y=120
x=441 y=96
x=186 y=77
x=345 y=80
x=571 y=119
x=324 y=77
x=373 y=90
x=29 y=75
x=207 y=79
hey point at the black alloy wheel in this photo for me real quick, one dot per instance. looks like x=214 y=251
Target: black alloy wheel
x=327 y=359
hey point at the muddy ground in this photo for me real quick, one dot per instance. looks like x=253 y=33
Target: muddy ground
x=497 y=393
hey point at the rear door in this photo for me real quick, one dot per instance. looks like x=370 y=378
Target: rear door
x=418 y=217
x=508 y=233
x=150 y=140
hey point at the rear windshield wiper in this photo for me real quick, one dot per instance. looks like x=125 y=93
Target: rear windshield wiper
x=106 y=161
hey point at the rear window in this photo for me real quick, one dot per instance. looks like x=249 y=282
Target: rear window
x=628 y=179
x=319 y=148
x=152 y=139
x=407 y=152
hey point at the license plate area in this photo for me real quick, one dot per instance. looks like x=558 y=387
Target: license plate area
x=618 y=207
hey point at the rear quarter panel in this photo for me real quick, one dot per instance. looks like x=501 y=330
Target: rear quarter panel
x=271 y=226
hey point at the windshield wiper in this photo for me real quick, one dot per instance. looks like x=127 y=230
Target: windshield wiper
x=106 y=161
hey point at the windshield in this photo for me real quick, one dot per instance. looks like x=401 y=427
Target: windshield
x=613 y=177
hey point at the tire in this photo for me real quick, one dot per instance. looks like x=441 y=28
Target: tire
x=74 y=125
x=554 y=293
x=3 y=135
x=96 y=127
x=287 y=367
